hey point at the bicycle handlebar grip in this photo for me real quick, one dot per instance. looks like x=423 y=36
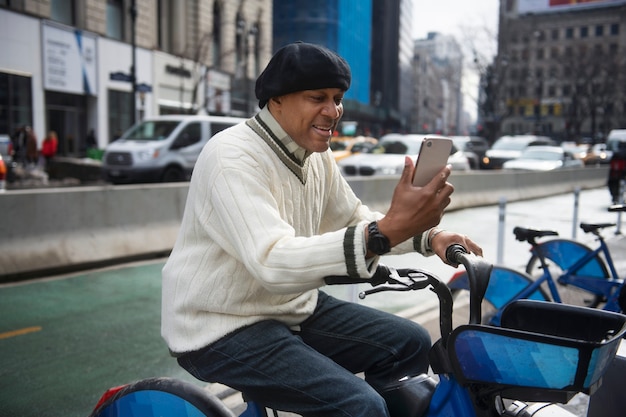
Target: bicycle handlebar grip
x=454 y=254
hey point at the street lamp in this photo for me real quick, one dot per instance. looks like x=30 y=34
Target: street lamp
x=246 y=37
x=133 y=67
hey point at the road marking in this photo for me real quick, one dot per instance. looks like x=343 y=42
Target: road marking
x=20 y=332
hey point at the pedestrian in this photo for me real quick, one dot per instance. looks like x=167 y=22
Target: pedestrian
x=92 y=143
x=49 y=148
x=268 y=216
x=19 y=145
x=32 y=154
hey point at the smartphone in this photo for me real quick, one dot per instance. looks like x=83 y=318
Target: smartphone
x=432 y=158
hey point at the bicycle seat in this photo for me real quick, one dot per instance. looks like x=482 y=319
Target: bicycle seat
x=529 y=235
x=593 y=227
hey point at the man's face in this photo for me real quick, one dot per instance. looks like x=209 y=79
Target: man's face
x=309 y=117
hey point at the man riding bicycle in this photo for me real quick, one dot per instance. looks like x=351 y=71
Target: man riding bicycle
x=268 y=216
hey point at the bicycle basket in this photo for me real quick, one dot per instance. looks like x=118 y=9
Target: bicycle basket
x=543 y=351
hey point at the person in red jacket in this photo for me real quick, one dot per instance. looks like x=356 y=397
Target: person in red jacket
x=49 y=147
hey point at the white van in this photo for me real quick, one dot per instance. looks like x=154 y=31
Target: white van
x=161 y=149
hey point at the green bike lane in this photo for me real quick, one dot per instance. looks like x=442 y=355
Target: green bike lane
x=63 y=342
x=66 y=340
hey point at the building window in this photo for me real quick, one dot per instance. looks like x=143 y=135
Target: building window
x=540 y=53
x=63 y=11
x=569 y=33
x=555 y=34
x=554 y=52
x=15 y=102
x=598 y=50
x=599 y=30
x=615 y=29
x=120 y=114
x=115 y=19
x=584 y=32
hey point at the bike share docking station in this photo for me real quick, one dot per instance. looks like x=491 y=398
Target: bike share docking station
x=608 y=400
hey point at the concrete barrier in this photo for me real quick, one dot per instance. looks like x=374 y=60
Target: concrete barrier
x=48 y=231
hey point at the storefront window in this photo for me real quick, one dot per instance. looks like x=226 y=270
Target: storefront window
x=120 y=114
x=15 y=102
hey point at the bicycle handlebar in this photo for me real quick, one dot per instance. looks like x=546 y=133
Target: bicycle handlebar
x=478 y=273
x=409 y=279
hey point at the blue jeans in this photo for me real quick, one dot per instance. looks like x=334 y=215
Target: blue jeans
x=311 y=371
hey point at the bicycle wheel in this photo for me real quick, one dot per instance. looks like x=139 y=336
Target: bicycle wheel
x=560 y=255
x=160 y=397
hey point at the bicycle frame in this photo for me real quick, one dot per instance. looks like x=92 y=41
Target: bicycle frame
x=576 y=275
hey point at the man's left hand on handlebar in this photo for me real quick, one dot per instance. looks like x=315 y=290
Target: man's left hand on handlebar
x=443 y=239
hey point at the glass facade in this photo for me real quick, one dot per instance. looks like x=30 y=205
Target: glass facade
x=16 y=102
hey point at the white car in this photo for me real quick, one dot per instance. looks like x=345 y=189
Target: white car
x=387 y=158
x=543 y=158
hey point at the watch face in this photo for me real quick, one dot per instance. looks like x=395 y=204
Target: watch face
x=376 y=241
x=378 y=244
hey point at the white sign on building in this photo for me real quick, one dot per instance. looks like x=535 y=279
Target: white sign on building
x=69 y=60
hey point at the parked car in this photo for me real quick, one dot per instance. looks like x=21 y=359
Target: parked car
x=343 y=147
x=599 y=154
x=510 y=147
x=164 y=148
x=543 y=158
x=387 y=158
x=582 y=151
x=474 y=148
x=3 y=175
x=6 y=154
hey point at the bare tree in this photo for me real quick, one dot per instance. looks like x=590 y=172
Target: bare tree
x=591 y=89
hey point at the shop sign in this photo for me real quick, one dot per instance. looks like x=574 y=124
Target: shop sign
x=69 y=60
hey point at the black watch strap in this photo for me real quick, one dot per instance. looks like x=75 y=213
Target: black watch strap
x=376 y=241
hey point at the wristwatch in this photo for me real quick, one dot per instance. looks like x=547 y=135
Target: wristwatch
x=376 y=241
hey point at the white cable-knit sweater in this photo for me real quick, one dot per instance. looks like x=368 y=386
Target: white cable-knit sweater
x=259 y=232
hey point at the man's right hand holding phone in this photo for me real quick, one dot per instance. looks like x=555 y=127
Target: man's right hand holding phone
x=414 y=210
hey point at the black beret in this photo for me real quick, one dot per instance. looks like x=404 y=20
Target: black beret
x=301 y=66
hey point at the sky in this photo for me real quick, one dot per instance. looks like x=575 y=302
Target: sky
x=474 y=24
x=452 y=16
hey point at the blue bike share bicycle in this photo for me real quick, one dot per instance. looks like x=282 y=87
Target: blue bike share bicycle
x=543 y=353
x=559 y=270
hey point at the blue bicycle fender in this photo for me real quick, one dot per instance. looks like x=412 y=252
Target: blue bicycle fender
x=504 y=285
x=450 y=400
x=566 y=253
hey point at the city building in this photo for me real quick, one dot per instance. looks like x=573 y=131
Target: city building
x=374 y=36
x=560 y=69
x=75 y=66
x=438 y=72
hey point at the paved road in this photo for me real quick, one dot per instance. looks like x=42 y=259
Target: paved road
x=65 y=340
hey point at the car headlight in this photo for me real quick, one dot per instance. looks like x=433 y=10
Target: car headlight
x=147 y=155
